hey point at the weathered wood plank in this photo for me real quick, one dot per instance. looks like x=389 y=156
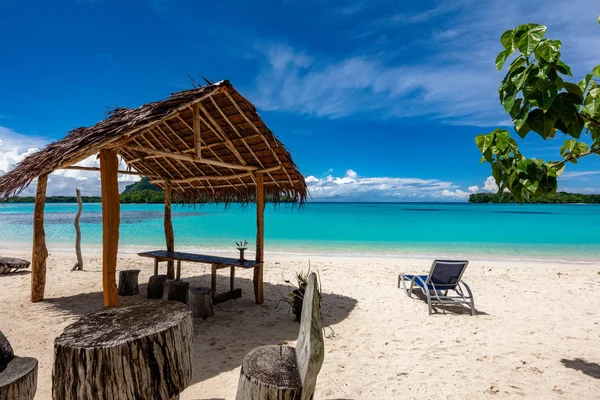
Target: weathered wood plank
x=39 y=252
x=199 y=258
x=137 y=351
x=110 y=224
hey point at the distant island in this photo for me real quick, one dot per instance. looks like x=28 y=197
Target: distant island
x=140 y=192
x=555 y=198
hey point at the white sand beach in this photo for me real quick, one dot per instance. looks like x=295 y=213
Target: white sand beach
x=536 y=335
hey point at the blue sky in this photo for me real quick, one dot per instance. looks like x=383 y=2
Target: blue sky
x=376 y=100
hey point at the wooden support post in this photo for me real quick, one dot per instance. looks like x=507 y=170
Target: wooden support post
x=110 y=224
x=260 y=235
x=39 y=252
x=197 y=136
x=169 y=236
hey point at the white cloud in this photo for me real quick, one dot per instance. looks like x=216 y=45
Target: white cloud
x=490 y=185
x=14 y=147
x=353 y=187
x=473 y=189
x=454 y=79
x=579 y=174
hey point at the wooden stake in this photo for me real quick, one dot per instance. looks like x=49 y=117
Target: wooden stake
x=169 y=236
x=79 y=265
x=109 y=166
x=197 y=136
x=39 y=252
x=260 y=235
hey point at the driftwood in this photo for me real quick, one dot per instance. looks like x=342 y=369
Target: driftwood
x=282 y=372
x=79 y=264
x=200 y=301
x=128 y=282
x=18 y=375
x=10 y=264
x=137 y=351
x=156 y=286
x=178 y=291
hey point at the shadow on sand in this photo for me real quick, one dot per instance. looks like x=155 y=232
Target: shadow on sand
x=452 y=308
x=589 y=368
x=221 y=342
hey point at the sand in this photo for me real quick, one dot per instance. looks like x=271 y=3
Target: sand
x=536 y=335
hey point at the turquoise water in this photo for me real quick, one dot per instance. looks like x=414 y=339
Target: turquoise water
x=387 y=229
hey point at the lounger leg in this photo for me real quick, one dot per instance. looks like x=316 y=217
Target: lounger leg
x=401 y=279
x=473 y=312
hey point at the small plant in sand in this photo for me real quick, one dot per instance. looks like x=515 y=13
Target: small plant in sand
x=296 y=298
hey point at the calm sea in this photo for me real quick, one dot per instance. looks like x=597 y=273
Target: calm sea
x=385 y=229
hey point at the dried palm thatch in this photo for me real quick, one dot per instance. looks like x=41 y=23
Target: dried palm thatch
x=207 y=143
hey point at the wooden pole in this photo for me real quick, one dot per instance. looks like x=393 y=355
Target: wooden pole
x=79 y=264
x=260 y=235
x=169 y=236
x=39 y=252
x=110 y=224
x=197 y=133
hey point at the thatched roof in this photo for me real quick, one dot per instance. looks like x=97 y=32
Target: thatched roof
x=158 y=140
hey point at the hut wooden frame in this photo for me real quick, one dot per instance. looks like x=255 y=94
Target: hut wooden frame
x=206 y=144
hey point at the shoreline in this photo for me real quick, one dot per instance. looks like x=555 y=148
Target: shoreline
x=14 y=248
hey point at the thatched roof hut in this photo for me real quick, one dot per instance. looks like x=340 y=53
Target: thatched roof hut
x=203 y=144
x=208 y=143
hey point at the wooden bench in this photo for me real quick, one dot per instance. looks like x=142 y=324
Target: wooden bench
x=216 y=263
x=18 y=375
x=283 y=372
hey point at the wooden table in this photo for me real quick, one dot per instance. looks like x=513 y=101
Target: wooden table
x=8 y=264
x=216 y=263
x=135 y=351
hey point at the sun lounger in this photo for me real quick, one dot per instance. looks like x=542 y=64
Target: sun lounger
x=445 y=275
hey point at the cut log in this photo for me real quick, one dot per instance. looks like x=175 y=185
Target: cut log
x=79 y=264
x=18 y=375
x=201 y=303
x=128 y=282
x=18 y=379
x=178 y=291
x=10 y=264
x=283 y=372
x=39 y=253
x=156 y=286
x=136 y=351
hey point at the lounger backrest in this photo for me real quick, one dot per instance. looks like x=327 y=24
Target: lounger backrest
x=310 y=347
x=446 y=273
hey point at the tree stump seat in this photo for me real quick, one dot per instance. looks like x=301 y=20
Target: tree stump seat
x=201 y=303
x=11 y=264
x=283 y=372
x=178 y=290
x=137 y=351
x=128 y=282
x=18 y=375
x=156 y=286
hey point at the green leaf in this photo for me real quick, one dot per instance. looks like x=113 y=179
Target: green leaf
x=528 y=37
x=548 y=50
x=563 y=68
x=574 y=89
x=596 y=71
x=479 y=141
x=501 y=59
x=542 y=122
x=502 y=139
x=507 y=40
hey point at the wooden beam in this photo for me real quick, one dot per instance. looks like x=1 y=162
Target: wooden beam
x=197 y=133
x=78 y=168
x=109 y=166
x=260 y=236
x=169 y=235
x=219 y=177
x=188 y=158
x=39 y=253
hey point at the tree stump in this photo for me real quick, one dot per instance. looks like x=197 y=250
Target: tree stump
x=200 y=301
x=156 y=286
x=178 y=291
x=128 y=282
x=283 y=372
x=137 y=351
x=8 y=264
x=18 y=375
